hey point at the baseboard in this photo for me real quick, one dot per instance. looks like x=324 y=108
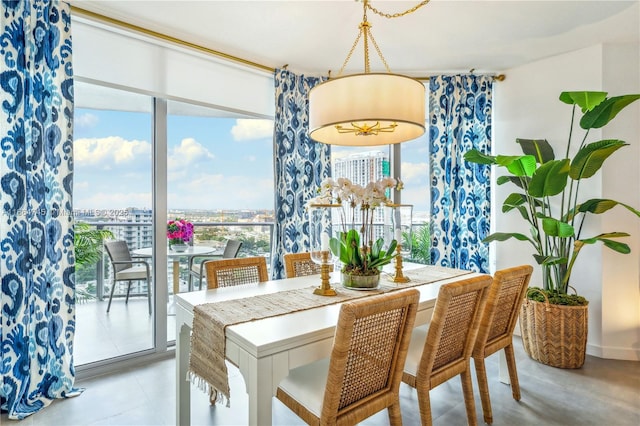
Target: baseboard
x=608 y=352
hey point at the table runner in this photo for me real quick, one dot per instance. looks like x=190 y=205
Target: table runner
x=208 y=343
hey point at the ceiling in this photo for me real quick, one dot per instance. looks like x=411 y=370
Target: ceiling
x=445 y=36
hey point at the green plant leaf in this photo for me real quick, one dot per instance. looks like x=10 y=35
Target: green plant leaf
x=539 y=148
x=617 y=246
x=549 y=260
x=523 y=165
x=606 y=240
x=516 y=180
x=590 y=158
x=587 y=101
x=555 y=228
x=504 y=236
x=599 y=205
x=606 y=111
x=550 y=178
x=475 y=156
x=513 y=201
x=88 y=243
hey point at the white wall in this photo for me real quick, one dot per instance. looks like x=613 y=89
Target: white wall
x=527 y=106
x=128 y=60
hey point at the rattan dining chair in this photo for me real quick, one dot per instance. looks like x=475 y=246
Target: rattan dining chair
x=300 y=264
x=442 y=350
x=125 y=268
x=496 y=329
x=196 y=264
x=240 y=270
x=362 y=376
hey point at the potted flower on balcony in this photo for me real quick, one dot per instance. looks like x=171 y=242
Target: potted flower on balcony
x=554 y=322
x=179 y=233
x=359 y=246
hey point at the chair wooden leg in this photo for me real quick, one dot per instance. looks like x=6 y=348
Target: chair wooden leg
x=425 y=407
x=513 y=373
x=395 y=418
x=113 y=287
x=483 y=386
x=467 y=391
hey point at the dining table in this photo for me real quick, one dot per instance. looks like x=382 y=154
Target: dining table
x=175 y=256
x=264 y=350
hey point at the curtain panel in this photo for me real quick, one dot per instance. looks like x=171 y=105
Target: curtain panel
x=37 y=296
x=459 y=120
x=300 y=165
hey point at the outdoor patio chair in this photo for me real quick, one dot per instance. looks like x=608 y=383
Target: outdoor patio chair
x=362 y=376
x=442 y=349
x=196 y=264
x=496 y=329
x=125 y=268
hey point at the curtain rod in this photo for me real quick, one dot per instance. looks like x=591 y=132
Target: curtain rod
x=103 y=18
x=180 y=42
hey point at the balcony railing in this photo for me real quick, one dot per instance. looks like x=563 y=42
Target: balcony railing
x=257 y=238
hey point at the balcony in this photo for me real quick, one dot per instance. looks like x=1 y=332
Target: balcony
x=128 y=328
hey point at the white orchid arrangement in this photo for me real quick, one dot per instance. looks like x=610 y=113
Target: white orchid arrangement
x=356 y=248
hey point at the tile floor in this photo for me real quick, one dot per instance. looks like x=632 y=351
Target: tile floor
x=603 y=392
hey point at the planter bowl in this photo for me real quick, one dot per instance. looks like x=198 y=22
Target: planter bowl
x=360 y=282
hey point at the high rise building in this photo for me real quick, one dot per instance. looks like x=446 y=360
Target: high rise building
x=362 y=168
x=136 y=236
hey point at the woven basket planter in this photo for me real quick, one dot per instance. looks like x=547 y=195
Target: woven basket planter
x=554 y=335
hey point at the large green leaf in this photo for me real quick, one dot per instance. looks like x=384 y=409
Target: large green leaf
x=523 y=165
x=539 y=148
x=600 y=205
x=585 y=100
x=475 y=156
x=516 y=180
x=613 y=245
x=513 y=201
x=589 y=159
x=550 y=178
x=556 y=228
x=549 y=260
x=503 y=236
x=606 y=111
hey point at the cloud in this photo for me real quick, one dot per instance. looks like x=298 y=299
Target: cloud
x=111 y=152
x=85 y=120
x=217 y=191
x=250 y=129
x=413 y=173
x=189 y=153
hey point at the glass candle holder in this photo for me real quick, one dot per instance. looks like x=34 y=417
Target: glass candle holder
x=398 y=226
x=320 y=230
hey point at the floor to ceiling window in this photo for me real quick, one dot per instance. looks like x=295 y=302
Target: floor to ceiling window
x=415 y=176
x=219 y=178
x=112 y=191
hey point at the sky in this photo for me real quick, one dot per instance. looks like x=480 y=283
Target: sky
x=213 y=163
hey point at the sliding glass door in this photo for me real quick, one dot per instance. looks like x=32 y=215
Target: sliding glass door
x=112 y=190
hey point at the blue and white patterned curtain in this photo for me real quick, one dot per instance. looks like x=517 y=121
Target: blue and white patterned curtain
x=37 y=297
x=459 y=120
x=300 y=165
